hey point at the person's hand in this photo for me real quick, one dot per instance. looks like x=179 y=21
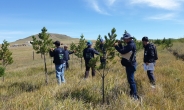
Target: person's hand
x=52 y=49
x=119 y=42
x=147 y=63
x=115 y=44
x=74 y=51
x=61 y=43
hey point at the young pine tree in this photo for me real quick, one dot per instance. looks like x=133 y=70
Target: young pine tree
x=109 y=55
x=79 y=48
x=167 y=44
x=139 y=44
x=6 y=57
x=43 y=45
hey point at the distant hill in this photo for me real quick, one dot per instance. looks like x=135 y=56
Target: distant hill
x=61 y=37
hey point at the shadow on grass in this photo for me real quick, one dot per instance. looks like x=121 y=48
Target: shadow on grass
x=91 y=97
x=51 y=72
x=23 y=87
x=2 y=87
x=83 y=94
x=177 y=54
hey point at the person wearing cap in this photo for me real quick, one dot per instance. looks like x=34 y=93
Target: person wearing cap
x=67 y=56
x=58 y=54
x=102 y=58
x=88 y=53
x=129 y=64
x=150 y=56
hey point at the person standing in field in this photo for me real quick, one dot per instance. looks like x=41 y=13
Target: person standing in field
x=67 y=56
x=58 y=54
x=150 y=56
x=88 y=53
x=129 y=64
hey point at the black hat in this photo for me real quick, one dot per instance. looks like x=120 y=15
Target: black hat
x=57 y=43
x=145 y=38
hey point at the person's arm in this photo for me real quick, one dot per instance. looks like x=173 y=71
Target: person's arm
x=84 y=54
x=124 y=49
x=51 y=53
x=146 y=60
x=120 y=45
x=70 y=52
x=96 y=52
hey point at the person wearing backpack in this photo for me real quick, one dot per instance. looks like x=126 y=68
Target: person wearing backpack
x=130 y=63
x=58 y=54
x=88 y=53
x=150 y=56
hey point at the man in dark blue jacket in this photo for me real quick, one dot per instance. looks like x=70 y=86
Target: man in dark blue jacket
x=130 y=64
x=150 y=55
x=67 y=55
x=88 y=53
x=58 y=54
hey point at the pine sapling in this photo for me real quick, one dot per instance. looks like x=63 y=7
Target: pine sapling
x=109 y=55
x=80 y=47
x=42 y=46
x=5 y=56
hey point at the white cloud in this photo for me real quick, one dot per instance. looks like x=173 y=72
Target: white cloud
x=96 y=6
x=111 y=2
x=164 y=4
x=168 y=16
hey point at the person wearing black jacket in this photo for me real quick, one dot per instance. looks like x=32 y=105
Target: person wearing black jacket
x=88 y=53
x=149 y=57
x=129 y=64
x=67 y=55
x=58 y=54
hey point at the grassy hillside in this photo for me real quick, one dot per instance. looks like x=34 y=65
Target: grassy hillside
x=54 y=37
x=24 y=86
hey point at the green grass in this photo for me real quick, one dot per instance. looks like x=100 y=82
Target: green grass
x=25 y=88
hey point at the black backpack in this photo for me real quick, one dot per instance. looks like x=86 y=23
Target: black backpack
x=155 y=52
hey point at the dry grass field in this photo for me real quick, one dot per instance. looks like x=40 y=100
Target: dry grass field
x=24 y=87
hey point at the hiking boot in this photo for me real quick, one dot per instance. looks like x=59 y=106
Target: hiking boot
x=137 y=98
x=153 y=84
x=93 y=72
x=86 y=74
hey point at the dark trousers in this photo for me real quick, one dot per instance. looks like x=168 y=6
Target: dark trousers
x=130 y=71
x=88 y=69
x=151 y=76
x=103 y=62
x=67 y=65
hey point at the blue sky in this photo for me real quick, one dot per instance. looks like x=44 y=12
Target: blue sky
x=152 y=18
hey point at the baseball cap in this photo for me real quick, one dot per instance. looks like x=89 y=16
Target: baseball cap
x=57 y=43
x=89 y=43
x=145 y=38
x=126 y=36
x=101 y=40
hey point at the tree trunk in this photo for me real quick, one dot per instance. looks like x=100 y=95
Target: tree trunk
x=5 y=69
x=33 y=55
x=3 y=78
x=46 y=74
x=103 y=85
x=103 y=82
x=51 y=63
x=81 y=63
